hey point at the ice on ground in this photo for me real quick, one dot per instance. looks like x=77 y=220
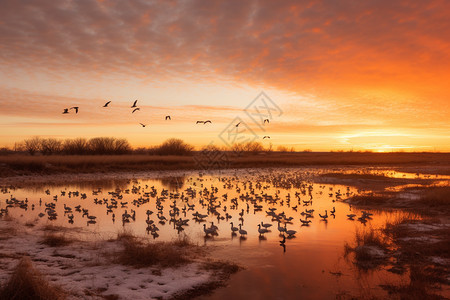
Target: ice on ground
x=82 y=270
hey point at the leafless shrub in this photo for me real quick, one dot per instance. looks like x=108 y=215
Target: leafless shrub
x=50 y=146
x=32 y=145
x=56 y=240
x=174 y=147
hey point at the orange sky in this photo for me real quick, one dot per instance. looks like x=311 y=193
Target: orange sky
x=346 y=74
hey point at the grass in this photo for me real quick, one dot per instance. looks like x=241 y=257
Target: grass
x=27 y=283
x=55 y=240
x=420 y=286
x=436 y=196
x=139 y=254
x=12 y=165
x=366 y=244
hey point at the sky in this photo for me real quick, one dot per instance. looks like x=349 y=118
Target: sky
x=335 y=75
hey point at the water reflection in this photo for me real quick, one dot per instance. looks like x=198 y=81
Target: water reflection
x=287 y=229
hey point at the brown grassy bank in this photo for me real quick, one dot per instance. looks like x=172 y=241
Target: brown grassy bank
x=14 y=165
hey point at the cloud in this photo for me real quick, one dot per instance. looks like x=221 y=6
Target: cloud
x=376 y=63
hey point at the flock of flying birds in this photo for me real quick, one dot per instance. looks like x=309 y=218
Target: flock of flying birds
x=167 y=118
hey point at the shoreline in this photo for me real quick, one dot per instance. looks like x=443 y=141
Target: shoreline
x=23 y=165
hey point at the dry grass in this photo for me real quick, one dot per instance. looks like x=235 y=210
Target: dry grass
x=436 y=196
x=56 y=240
x=421 y=286
x=27 y=283
x=22 y=164
x=365 y=243
x=139 y=254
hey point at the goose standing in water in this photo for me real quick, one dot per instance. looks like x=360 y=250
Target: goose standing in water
x=325 y=216
x=233 y=229
x=242 y=231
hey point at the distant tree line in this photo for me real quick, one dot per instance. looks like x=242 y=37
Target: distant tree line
x=118 y=146
x=77 y=146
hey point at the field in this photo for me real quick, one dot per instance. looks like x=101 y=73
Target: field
x=13 y=165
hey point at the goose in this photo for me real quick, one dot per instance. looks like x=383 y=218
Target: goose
x=66 y=111
x=351 y=216
x=134 y=104
x=266 y=120
x=143 y=125
x=291 y=233
x=333 y=210
x=242 y=231
x=214 y=227
x=266 y=137
x=305 y=223
x=281 y=229
x=76 y=109
x=325 y=216
x=261 y=230
x=136 y=109
x=168 y=118
x=266 y=225
x=208 y=231
x=233 y=229
x=106 y=104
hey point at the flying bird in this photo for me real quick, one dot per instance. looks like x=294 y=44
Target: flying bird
x=134 y=104
x=143 y=125
x=201 y=122
x=238 y=124
x=168 y=118
x=266 y=120
x=266 y=137
x=137 y=108
x=76 y=109
x=207 y=121
x=106 y=104
x=66 y=111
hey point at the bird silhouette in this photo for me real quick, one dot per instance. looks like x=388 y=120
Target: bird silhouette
x=266 y=120
x=106 y=104
x=76 y=109
x=207 y=121
x=143 y=125
x=266 y=137
x=168 y=118
x=66 y=111
x=136 y=109
x=237 y=125
x=134 y=104
x=201 y=122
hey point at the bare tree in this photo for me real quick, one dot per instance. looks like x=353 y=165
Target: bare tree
x=121 y=146
x=75 y=146
x=50 y=146
x=174 y=147
x=253 y=147
x=32 y=145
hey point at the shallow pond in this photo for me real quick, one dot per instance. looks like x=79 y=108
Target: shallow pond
x=311 y=263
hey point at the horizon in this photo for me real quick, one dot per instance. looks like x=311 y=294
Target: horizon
x=369 y=76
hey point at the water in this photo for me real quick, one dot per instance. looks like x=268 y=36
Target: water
x=311 y=265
